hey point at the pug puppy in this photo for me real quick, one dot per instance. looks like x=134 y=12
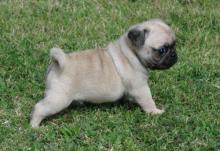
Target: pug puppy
x=106 y=74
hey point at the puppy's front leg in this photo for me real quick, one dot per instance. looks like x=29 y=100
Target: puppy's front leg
x=143 y=97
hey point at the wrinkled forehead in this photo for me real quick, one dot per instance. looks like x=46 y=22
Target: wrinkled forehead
x=159 y=33
x=158 y=38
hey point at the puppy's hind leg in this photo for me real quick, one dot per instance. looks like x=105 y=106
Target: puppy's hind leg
x=51 y=104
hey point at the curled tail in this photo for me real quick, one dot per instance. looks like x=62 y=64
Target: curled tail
x=58 y=57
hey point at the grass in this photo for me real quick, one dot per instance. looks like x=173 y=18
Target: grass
x=190 y=91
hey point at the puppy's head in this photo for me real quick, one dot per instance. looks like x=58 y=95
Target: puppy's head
x=153 y=42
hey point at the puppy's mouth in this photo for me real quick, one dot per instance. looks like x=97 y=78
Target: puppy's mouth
x=165 y=63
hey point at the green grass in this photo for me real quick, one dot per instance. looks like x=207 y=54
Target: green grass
x=190 y=91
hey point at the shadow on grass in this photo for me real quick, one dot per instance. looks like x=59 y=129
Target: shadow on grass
x=124 y=104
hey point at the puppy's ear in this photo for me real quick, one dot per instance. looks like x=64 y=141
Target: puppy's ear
x=137 y=37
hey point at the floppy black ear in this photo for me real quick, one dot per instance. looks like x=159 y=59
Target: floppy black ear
x=137 y=37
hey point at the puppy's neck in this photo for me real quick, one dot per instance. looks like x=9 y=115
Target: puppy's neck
x=126 y=63
x=129 y=52
x=123 y=56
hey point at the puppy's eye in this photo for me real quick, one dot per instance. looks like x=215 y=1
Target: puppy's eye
x=163 y=50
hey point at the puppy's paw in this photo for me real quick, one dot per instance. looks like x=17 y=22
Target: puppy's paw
x=155 y=111
x=34 y=125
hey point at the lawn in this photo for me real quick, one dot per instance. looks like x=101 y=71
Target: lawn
x=189 y=91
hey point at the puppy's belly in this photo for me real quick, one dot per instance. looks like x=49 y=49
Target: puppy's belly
x=103 y=98
x=100 y=95
x=86 y=90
